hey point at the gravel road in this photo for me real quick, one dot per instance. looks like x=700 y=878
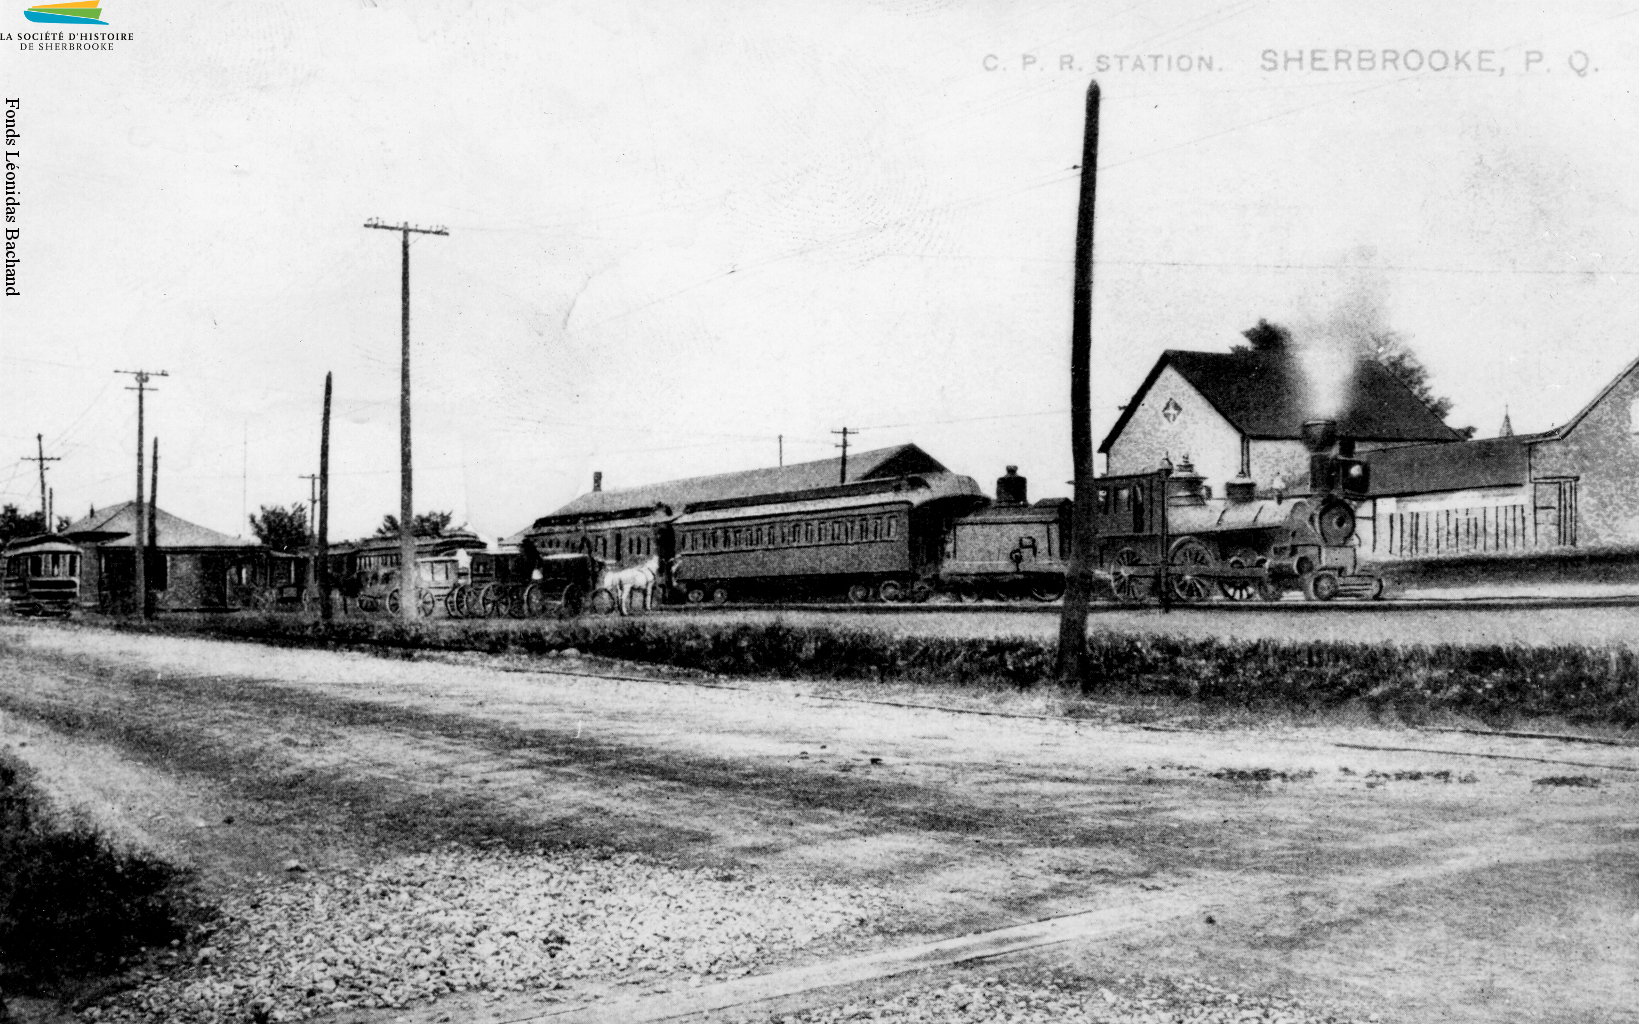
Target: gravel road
x=638 y=834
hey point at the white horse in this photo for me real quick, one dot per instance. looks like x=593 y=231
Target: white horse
x=622 y=583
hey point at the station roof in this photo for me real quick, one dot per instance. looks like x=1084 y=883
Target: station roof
x=1466 y=465
x=1265 y=397
x=115 y=525
x=882 y=463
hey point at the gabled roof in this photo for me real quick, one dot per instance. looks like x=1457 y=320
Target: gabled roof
x=113 y=527
x=883 y=463
x=1466 y=465
x=1266 y=397
x=1569 y=425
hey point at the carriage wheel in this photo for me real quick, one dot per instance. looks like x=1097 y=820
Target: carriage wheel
x=719 y=596
x=1241 y=590
x=1320 y=586
x=534 y=601
x=393 y=602
x=890 y=590
x=572 y=602
x=1047 y=590
x=1129 y=589
x=696 y=596
x=859 y=593
x=603 y=601
x=1189 y=555
x=921 y=590
x=515 y=602
x=425 y=602
x=489 y=601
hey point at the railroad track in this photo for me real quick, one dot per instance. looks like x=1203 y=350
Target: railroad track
x=1403 y=604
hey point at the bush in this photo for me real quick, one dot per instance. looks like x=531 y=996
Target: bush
x=70 y=904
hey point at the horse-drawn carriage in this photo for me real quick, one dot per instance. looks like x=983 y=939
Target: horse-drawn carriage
x=524 y=584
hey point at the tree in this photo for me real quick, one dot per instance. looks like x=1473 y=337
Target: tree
x=1388 y=348
x=15 y=524
x=282 y=529
x=426 y=524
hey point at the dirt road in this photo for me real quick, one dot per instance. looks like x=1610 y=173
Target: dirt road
x=1426 y=884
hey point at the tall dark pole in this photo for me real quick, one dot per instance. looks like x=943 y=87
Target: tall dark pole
x=140 y=583
x=310 y=586
x=843 y=476
x=151 y=540
x=42 y=458
x=406 y=508
x=323 y=568
x=1073 y=663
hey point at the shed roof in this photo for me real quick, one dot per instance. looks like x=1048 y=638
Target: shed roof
x=882 y=463
x=1463 y=466
x=114 y=526
x=1265 y=397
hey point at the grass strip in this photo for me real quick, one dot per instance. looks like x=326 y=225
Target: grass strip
x=1592 y=686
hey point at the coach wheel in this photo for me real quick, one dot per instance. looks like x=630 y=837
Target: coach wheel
x=719 y=596
x=393 y=603
x=515 y=602
x=890 y=591
x=859 y=593
x=426 y=602
x=452 y=603
x=602 y=601
x=1189 y=556
x=572 y=601
x=1047 y=590
x=490 y=601
x=696 y=595
x=1241 y=590
x=1320 y=586
x=1129 y=589
x=921 y=590
x=534 y=601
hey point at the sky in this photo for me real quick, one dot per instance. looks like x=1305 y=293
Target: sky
x=681 y=231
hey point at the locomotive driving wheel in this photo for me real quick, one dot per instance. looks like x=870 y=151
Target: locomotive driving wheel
x=1241 y=590
x=1129 y=589
x=1188 y=556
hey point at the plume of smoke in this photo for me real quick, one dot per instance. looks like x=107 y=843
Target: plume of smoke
x=1339 y=323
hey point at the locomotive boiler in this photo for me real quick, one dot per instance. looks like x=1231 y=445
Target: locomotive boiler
x=1161 y=534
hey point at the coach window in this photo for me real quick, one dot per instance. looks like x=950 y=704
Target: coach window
x=1103 y=501
x=891 y=521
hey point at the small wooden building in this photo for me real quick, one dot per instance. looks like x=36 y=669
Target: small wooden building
x=191 y=568
x=1576 y=485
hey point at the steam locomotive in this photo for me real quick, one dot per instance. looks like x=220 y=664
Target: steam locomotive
x=1161 y=536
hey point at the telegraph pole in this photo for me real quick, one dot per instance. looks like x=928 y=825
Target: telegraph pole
x=140 y=584
x=782 y=449
x=152 y=540
x=406 y=508
x=42 y=459
x=312 y=581
x=844 y=446
x=324 y=508
x=1074 y=664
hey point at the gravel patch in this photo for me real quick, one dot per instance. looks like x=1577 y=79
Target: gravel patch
x=417 y=927
x=1129 y=1001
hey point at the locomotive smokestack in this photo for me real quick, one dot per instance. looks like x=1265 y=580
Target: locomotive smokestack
x=1319 y=436
x=597 y=480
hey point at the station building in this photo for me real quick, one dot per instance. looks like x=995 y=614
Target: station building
x=1241 y=414
x=192 y=568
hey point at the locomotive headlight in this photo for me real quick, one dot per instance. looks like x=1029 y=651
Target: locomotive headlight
x=1335 y=523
